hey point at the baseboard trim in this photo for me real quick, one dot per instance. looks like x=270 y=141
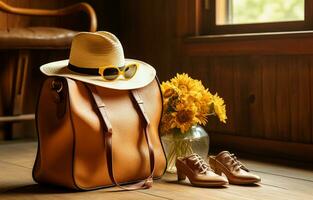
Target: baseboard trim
x=272 y=148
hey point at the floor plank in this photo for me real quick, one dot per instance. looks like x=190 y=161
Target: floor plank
x=279 y=188
x=281 y=167
x=20 y=154
x=278 y=182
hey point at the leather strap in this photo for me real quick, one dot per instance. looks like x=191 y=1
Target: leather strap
x=145 y=184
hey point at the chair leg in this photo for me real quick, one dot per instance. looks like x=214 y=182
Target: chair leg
x=8 y=131
x=13 y=94
x=15 y=91
x=20 y=82
x=9 y=62
x=19 y=94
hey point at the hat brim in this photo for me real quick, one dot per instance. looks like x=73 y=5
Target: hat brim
x=145 y=74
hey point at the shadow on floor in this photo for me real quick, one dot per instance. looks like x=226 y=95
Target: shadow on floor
x=171 y=179
x=36 y=189
x=50 y=189
x=213 y=187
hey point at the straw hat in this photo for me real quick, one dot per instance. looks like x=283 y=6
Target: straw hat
x=89 y=51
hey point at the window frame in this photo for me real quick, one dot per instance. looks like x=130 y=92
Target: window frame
x=208 y=26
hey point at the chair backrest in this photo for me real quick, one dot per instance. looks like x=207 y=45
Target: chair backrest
x=79 y=7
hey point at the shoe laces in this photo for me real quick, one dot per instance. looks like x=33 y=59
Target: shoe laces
x=203 y=166
x=236 y=164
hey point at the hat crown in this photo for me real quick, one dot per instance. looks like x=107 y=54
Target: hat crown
x=94 y=50
x=90 y=51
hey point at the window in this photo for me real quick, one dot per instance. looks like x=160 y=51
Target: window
x=258 y=11
x=246 y=16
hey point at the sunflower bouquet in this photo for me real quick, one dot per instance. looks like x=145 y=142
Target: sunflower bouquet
x=187 y=103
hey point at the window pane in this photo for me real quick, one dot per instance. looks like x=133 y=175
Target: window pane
x=258 y=11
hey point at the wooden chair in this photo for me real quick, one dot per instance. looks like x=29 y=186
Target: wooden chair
x=23 y=40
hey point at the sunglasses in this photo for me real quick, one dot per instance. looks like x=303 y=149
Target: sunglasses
x=111 y=73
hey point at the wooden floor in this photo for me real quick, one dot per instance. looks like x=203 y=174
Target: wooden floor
x=278 y=182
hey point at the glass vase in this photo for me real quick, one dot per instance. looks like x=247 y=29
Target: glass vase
x=178 y=144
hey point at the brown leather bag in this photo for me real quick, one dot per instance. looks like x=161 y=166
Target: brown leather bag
x=92 y=137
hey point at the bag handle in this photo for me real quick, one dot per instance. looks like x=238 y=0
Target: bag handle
x=144 y=184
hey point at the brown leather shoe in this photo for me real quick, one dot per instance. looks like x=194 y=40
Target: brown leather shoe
x=234 y=170
x=198 y=172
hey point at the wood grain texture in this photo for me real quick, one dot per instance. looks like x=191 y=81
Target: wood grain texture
x=283 y=43
x=280 y=180
x=15 y=20
x=283 y=112
x=255 y=105
x=268 y=96
x=265 y=147
x=311 y=97
x=3 y=18
x=265 y=79
x=8 y=59
x=18 y=9
x=305 y=102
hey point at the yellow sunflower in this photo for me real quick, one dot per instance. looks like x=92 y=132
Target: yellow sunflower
x=187 y=102
x=186 y=84
x=168 y=122
x=168 y=89
x=184 y=120
x=219 y=108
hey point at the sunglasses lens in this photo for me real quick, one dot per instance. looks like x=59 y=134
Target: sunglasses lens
x=110 y=73
x=130 y=70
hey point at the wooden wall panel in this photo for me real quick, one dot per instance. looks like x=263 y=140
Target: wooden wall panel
x=222 y=72
x=294 y=100
x=311 y=95
x=305 y=102
x=241 y=80
x=219 y=77
x=267 y=96
x=283 y=112
x=146 y=33
x=255 y=105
